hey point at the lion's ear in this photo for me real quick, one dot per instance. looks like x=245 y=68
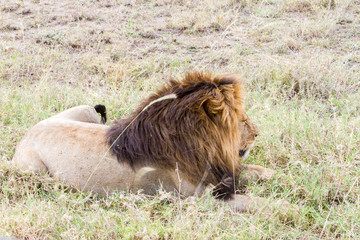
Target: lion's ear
x=215 y=105
x=210 y=112
x=226 y=96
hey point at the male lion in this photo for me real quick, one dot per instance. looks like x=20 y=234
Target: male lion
x=188 y=135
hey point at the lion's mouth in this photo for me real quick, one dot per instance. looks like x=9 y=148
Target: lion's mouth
x=244 y=153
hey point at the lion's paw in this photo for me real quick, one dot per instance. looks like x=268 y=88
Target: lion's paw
x=266 y=174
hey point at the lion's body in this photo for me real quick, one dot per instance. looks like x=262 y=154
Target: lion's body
x=182 y=144
x=83 y=158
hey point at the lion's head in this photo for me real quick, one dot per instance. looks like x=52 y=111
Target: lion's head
x=203 y=131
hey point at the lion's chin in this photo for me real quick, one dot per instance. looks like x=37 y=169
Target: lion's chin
x=246 y=154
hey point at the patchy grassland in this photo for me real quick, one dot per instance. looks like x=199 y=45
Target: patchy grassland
x=301 y=62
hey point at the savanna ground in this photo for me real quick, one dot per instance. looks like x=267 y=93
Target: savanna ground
x=299 y=58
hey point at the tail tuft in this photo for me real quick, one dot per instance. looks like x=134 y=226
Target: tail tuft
x=102 y=110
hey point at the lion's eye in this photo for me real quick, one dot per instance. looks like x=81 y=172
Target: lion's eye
x=216 y=117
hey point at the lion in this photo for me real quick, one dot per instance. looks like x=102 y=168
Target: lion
x=188 y=135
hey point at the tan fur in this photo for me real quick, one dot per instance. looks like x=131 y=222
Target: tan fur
x=69 y=148
x=73 y=147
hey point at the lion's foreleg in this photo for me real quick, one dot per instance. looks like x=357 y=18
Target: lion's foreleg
x=255 y=172
x=150 y=180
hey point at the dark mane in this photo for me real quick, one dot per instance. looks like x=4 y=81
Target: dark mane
x=194 y=132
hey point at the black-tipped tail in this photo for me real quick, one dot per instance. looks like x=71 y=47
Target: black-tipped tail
x=102 y=110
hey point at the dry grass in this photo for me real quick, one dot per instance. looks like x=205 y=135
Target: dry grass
x=301 y=62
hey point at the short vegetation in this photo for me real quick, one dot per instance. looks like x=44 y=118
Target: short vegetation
x=300 y=60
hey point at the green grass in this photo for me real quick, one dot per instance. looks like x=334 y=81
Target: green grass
x=299 y=58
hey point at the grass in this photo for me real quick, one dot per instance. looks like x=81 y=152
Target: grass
x=299 y=58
